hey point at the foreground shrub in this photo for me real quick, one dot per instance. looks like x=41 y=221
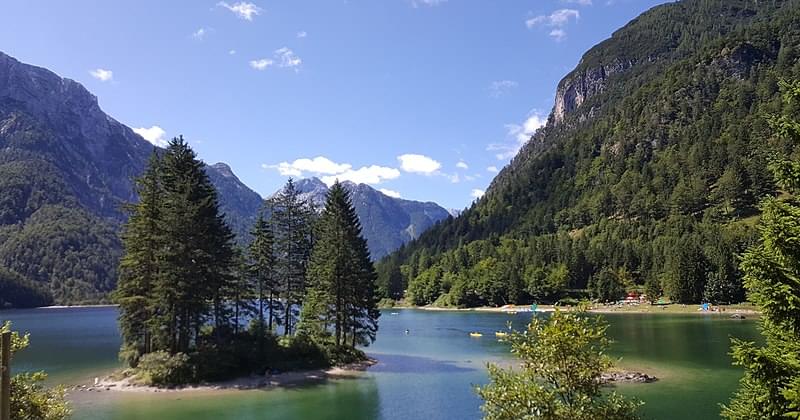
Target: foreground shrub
x=163 y=369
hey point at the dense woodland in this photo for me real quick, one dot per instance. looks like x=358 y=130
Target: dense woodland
x=652 y=183
x=195 y=307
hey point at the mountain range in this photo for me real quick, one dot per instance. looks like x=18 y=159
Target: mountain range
x=67 y=170
x=386 y=222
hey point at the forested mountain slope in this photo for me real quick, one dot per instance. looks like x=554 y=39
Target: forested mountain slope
x=646 y=174
x=66 y=168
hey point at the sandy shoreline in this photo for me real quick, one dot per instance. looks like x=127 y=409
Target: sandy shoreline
x=280 y=380
x=613 y=309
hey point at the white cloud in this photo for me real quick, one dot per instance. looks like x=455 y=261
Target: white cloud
x=302 y=34
x=461 y=164
x=390 y=193
x=102 y=75
x=499 y=88
x=287 y=58
x=232 y=52
x=429 y=3
x=518 y=135
x=476 y=193
x=199 y=34
x=261 y=64
x=330 y=171
x=365 y=175
x=556 y=20
x=580 y=2
x=154 y=135
x=319 y=165
x=418 y=164
x=558 y=34
x=242 y=9
x=492 y=169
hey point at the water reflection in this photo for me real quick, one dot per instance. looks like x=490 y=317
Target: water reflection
x=398 y=363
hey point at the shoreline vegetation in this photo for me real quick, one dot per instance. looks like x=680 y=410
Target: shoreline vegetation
x=743 y=309
x=119 y=382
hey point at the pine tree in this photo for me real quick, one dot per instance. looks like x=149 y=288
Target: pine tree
x=341 y=278
x=261 y=255
x=196 y=260
x=139 y=268
x=770 y=388
x=291 y=221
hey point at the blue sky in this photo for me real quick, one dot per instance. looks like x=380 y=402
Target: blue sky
x=421 y=98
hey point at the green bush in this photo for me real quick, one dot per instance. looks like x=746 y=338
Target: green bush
x=162 y=368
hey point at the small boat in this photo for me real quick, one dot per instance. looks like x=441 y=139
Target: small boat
x=511 y=312
x=500 y=334
x=475 y=334
x=395 y=313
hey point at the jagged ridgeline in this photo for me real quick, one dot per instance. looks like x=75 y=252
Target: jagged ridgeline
x=66 y=168
x=647 y=174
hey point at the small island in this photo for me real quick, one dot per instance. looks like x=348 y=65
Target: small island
x=195 y=308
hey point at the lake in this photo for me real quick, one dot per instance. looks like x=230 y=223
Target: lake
x=429 y=373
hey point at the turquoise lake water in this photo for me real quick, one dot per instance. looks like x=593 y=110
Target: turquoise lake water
x=427 y=374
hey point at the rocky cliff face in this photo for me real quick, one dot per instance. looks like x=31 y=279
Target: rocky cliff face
x=386 y=222
x=580 y=85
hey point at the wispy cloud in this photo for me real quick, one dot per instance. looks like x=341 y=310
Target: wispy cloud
x=556 y=20
x=461 y=164
x=419 y=164
x=102 y=75
x=261 y=63
x=579 y=2
x=244 y=10
x=428 y=3
x=477 y=193
x=517 y=135
x=287 y=58
x=499 y=88
x=154 y=135
x=199 y=34
x=492 y=169
x=302 y=34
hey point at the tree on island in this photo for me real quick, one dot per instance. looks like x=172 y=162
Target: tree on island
x=342 y=297
x=30 y=399
x=770 y=388
x=562 y=357
x=176 y=274
x=291 y=222
x=185 y=291
x=262 y=261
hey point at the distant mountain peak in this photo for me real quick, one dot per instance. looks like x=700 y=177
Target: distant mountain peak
x=224 y=169
x=386 y=222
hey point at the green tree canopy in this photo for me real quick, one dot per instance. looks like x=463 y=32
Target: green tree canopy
x=562 y=358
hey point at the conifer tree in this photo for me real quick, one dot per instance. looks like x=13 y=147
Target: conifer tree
x=770 y=388
x=139 y=268
x=341 y=277
x=291 y=221
x=197 y=263
x=261 y=255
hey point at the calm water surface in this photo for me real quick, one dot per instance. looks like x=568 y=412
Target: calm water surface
x=428 y=374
